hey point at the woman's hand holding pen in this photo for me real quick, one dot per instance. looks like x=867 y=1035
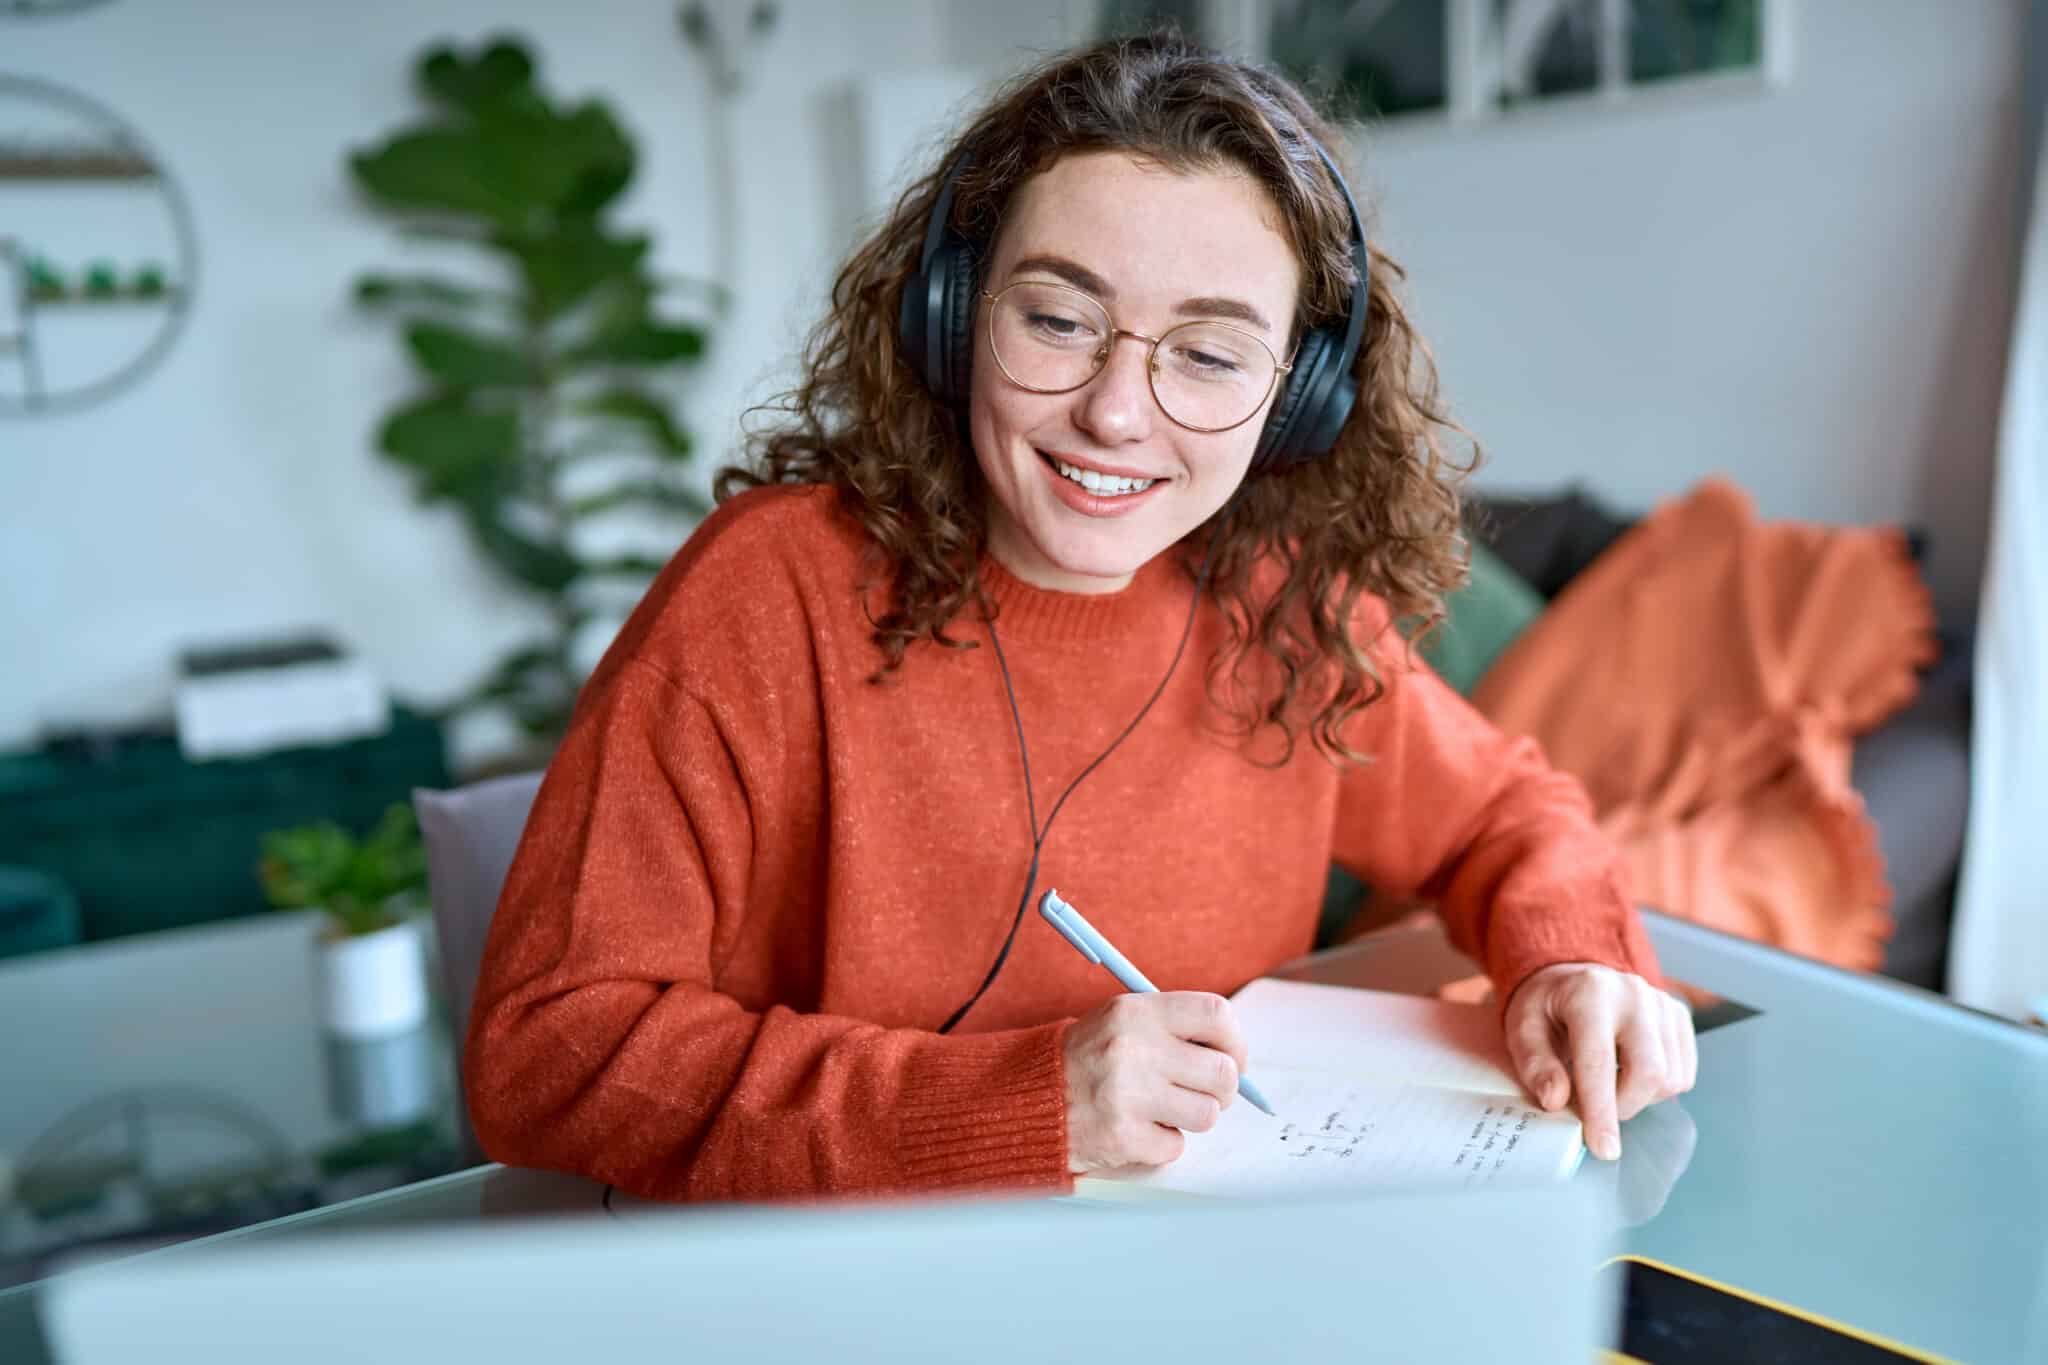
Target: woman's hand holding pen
x=1144 y=1069
x=1608 y=1041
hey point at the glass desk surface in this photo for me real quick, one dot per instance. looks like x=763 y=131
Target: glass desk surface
x=172 y=1085
x=1855 y=1148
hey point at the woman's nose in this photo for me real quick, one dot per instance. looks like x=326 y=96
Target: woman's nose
x=1116 y=405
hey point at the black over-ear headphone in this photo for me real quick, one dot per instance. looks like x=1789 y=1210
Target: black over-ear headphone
x=935 y=326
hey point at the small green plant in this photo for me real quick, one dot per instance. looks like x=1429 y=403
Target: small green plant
x=363 y=883
x=45 y=281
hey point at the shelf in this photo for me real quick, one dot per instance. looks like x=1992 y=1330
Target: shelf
x=107 y=165
x=86 y=301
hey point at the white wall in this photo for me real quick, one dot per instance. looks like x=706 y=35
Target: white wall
x=236 y=488
x=1808 y=290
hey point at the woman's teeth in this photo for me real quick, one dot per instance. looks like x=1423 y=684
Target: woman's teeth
x=1103 y=485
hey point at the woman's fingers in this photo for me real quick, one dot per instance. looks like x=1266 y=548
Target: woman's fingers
x=1532 y=1047
x=1203 y=1070
x=1644 y=1075
x=1191 y=1111
x=1672 y=1022
x=1205 y=1018
x=1685 y=1049
x=1589 y=1021
x=1692 y=1045
x=1608 y=1041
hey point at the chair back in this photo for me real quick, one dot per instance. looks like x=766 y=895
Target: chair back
x=471 y=834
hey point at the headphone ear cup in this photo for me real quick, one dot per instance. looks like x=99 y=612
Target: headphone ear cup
x=1280 y=441
x=956 y=269
x=1311 y=411
x=1321 y=426
x=913 y=318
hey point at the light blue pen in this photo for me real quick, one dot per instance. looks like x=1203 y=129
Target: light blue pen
x=1097 y=949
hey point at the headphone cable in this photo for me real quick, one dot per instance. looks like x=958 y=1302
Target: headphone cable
x=1038 y=836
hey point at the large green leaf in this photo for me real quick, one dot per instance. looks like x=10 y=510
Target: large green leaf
x=503 y=71
x=642 y=342
x=508 y=679
x=547 y=719
x=606 y=157
x=625 y=566
x=460 y=357
x=642 y=411
x=544 y=567
x=571 y=166
x=447 y=170
x=456 y=448
x=423 y=291
x=522 y=166
x=642 y=493
x=535 y=685
x=562 y=268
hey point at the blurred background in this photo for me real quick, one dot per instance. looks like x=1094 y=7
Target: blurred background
x=358 y=366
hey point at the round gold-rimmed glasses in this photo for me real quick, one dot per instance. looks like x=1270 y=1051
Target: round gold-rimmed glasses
x=1205 y=376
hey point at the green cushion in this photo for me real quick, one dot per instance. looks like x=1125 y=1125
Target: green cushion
x=1481 y=620
x=1343 y=897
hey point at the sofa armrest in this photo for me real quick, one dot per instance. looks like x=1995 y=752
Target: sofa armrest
x=1913 y=773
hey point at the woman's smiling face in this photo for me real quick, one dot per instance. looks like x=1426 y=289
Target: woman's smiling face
x=1156 y=248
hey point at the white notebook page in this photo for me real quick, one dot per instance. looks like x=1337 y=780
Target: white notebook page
x=1373 y=1090
x=1343 y=1031
x=1335 y=1133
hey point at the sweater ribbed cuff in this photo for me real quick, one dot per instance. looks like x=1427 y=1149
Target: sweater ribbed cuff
x=987 y=1111
x=1611 y=940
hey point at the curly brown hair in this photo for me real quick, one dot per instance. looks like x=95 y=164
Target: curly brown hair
x=1378 y=514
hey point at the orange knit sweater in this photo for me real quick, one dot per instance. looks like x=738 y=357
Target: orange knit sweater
x=753 y=883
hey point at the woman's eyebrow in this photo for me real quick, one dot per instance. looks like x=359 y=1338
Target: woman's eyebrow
x=1082 y=278
x=1208 y=306
x=1074 y=273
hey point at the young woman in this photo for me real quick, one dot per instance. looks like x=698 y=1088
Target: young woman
x=1070 y=565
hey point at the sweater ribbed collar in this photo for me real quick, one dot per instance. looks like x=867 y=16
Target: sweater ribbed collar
x=1029 y=612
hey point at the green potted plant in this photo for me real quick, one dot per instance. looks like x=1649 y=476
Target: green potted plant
x=545 y=411
x=372 y=961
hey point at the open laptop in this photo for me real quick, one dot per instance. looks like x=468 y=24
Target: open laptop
x=1487 y=1277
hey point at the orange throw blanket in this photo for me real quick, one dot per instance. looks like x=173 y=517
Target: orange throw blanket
x=1704 y=678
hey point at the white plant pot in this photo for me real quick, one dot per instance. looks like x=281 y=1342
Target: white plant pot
x=373 y=985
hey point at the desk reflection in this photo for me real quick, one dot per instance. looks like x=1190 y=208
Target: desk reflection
x=383 y=1082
